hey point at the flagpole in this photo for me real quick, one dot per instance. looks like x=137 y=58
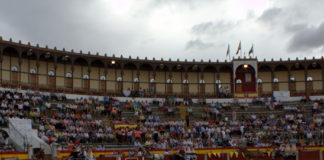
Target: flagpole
x=253 y=50
x=241 y=53
x=241 y=49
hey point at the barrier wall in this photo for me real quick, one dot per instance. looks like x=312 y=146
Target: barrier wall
x=308 y=153
x=311 y=155
x=19 y=155
x=107 y=155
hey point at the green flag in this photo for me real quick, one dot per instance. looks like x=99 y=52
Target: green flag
x=251 y=50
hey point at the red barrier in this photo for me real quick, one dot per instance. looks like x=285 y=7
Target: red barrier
x=239 y=157
x=131 y=158
x=106 y=158
x=308 y=155
x=167 y=157
x=223 y=156
x=200 y=156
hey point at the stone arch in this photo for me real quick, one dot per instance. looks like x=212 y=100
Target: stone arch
x=80 y=61
x=146 y=66
x=209 y=68
x=97 y=63
x=245 y=78
x=10 y=51
x=130 y=65
x=280 y=67
x=264 y=68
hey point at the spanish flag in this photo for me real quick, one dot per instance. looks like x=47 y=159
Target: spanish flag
x=124 y=125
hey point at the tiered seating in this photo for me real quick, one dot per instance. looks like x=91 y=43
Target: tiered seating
x=91 y=122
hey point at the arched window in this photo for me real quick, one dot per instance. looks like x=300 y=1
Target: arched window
x=185 y=81
x=136 y=80
x=68 y=75
x=238 y=81
x=32 y=71
x=169 y=81
x=86 y=77
x=102 y=78
x=275 y=80
x=309 y=79
x=51 y=73
x=14 y=69
x=119 y=79
x=292 y=79
x=202 y=81
x=259 y=80
x=152 y=80
x=218 y=82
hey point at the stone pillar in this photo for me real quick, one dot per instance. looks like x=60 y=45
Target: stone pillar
x=217 y=85
x=169 y=86
x=322 y=80
x=272 y=83
x=306 y=87
x=201 y=85
x=137 y=84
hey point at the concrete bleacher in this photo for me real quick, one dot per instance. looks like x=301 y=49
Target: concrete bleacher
x=198 y=110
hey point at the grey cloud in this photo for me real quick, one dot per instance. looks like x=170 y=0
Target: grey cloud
x=212 y=27
x=307 y=39
x=73 y=24
x=270 y=15
x=276 y=17
x=295 y=27
x=198 y=44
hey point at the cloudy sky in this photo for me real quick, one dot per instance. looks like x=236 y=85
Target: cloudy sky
x=184 y=29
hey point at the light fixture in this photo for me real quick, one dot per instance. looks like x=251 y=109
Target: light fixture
x=113 y=62
x=195 y=67
x=245 y=66
x=161 y=66
x=29 y=52
x=47 y=55
x=297 y=65
x=179 y=67
x=65 y=58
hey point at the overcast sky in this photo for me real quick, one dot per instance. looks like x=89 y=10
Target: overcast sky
x=184 y=29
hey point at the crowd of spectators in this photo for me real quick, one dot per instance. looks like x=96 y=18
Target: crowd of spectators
x=88 y=120
x=19 y=104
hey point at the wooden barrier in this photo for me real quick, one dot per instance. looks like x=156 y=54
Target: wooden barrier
x=212 y=153
x=17 y=155
x=309 y=155
x=217 y=157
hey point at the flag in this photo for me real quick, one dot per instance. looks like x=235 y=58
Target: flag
x=228 y=51
x=251 y=50
x=124 y=125
x=239 y=48
x=231 y=154
x=236 y=154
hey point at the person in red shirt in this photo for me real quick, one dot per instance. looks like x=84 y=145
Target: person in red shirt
x=138 y=135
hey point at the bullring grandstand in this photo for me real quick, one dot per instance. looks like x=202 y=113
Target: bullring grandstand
x=65 y=105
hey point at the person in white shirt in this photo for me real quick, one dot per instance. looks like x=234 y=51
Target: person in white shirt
x=137 y=144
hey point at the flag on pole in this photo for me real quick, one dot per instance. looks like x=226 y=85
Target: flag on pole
x=239 y=48
x=251 y=50
x=228 y=51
